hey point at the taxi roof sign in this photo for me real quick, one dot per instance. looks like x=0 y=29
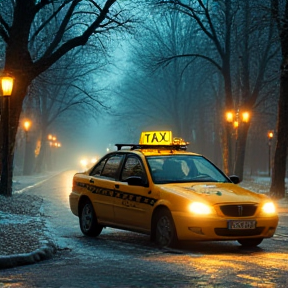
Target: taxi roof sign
x=156 y=138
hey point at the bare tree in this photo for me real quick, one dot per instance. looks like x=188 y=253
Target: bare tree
x=223 y=24
x=167 y=97
x=78 y=21
x=61 y=90
x=277 y=189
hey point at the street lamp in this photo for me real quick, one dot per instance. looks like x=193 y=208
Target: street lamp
x=27 y=125
x=229 y=116
x=235 y=118
x=7 y=86
x=26 y=166
x=270 y=137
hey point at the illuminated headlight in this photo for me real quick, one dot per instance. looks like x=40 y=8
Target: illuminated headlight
x=83 y=162
x=200 y=208
x=269 y=208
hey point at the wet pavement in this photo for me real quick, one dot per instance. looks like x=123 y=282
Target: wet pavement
x=123 y=259
x=29 y=234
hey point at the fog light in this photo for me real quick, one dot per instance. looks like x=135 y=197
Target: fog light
x=197 y=230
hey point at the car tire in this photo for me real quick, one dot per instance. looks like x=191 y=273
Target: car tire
x=250 y=242
x=88 y=220
x=165 y=232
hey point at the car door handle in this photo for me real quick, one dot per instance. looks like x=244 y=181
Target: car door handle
x=91 y=180
x=117 y=186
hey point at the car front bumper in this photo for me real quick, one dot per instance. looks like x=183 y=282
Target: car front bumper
x=216 y=228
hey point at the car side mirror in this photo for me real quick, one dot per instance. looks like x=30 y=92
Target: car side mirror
x=235 y=179
x=135 y=181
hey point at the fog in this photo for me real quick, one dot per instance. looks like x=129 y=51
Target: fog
x=144 y=88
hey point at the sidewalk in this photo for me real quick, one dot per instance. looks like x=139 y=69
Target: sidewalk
x=24 y=238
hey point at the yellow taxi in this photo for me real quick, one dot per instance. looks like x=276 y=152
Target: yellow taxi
x=158 y=188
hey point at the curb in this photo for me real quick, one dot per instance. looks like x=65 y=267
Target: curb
x=44 y=253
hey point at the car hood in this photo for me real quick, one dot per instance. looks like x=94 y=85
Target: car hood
x=213 y=192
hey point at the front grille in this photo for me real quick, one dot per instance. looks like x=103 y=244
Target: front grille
x=245 y=210
x=242 y=232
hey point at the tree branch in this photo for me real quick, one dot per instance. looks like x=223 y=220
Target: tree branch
x=4 y=29
x=62 y=29
x=50 y=58
x=166 y=61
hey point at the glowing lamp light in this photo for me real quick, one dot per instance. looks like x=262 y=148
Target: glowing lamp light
x=229 y=116
x=270 y=134
x=7 y=85
x=245 y=117
x=235 y=124
x=27 y=125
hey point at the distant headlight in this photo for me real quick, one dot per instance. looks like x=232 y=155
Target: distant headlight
x=269 y=208
x=200 y=208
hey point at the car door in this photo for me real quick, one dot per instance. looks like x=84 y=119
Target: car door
x=132 y=203
x=102 y=185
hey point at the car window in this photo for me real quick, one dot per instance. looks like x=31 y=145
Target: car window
x=205 y=168
x=183 y=168
x=132 y=167
x=111 y=166
x=98 y=168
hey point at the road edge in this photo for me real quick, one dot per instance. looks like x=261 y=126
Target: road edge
x=43 y=253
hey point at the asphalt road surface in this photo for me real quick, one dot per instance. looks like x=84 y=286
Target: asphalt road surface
x=125 y=259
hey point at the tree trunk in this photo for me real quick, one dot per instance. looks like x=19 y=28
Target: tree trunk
x=227 y=149
x=13 y=108
x=240 y=149
x=277 y=189
x=43 y=153
x=29 y=158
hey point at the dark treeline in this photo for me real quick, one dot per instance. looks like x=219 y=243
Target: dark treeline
x=183 y=65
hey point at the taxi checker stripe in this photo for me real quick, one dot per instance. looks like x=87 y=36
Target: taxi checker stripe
x=118 y=194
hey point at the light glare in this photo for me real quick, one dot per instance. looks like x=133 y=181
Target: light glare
x=7 y=85
x=245 y=117
x=269 y=208
x=229 y=116
x=200 y=208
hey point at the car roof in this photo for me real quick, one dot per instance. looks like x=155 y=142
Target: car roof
x=154 y=150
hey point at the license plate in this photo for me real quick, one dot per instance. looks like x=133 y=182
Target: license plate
x=241 y=224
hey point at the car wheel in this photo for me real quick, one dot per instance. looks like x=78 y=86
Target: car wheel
x=88 y=220
x=250 y=242
x=165 y=232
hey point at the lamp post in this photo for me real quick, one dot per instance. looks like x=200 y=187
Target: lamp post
x=270 y=136
x=7 y=86
x=235 y=118
x=26 y=166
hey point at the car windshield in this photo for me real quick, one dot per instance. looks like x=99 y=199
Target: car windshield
x=183 y=168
